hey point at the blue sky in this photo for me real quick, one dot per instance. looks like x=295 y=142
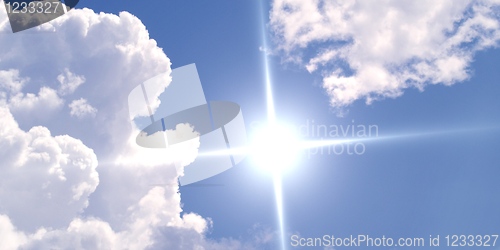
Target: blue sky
x=439 y=175
x=441 y=183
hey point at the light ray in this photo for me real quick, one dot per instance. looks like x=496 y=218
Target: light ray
x=301 y=145
x=308 y=144
x=271 y=119
x=271 y=113
x=279 y=206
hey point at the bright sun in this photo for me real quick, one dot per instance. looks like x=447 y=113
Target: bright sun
x=275 y=148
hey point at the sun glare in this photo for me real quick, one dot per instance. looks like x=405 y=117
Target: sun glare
x=275 y=148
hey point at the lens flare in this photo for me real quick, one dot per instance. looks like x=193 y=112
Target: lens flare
x=275 y=148
x=271 y=119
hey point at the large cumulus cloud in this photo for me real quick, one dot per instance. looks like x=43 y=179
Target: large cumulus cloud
x=45 y=180
x=63 y=97
x=376 y=49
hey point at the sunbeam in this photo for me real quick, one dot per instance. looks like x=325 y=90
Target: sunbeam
x=308 y=144
x=271 y=119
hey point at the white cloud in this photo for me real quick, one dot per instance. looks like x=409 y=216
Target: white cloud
x=149 y=227
x=80 y=108
x=10 y=81
x=69 y=82
x=46 y=99
x=12 y=238
x=372 y=50
x=28 y=104
x=96 y=234
x=47 y=178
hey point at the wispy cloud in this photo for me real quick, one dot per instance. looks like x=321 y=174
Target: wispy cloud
x=373 y=50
